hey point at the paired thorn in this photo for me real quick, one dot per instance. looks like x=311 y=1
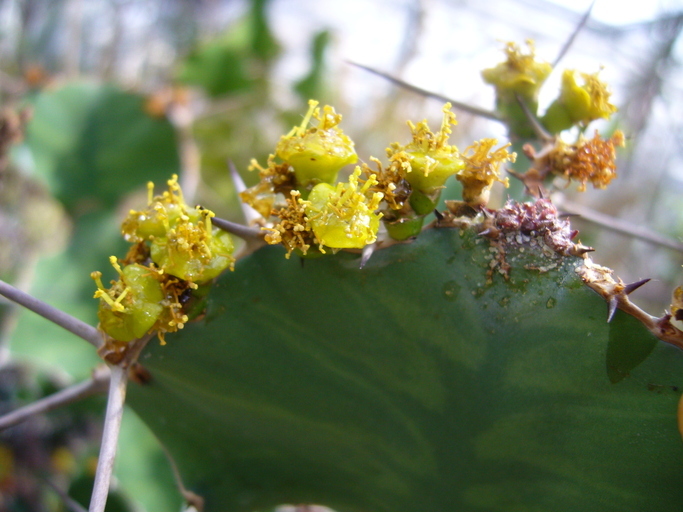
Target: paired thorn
x=613 y=301
x=612 y=305
x=630 y=288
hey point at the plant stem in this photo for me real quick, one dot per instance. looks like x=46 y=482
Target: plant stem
x=57 y=316
x=97 y=384
x=110 y=436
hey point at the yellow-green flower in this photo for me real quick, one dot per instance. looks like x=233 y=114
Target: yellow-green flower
x=344 y=216
x=520 y=74
x=317 y=153
x=193 y=250
x=428 y=160
x=578 y=103
x=132 y=306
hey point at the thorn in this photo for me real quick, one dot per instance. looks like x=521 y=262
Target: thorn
x=612 y=308
x=487 y=231
x=515 y=174
x=630 y=288
x=538 y=128
x=237 y=180
x=540 y=193
x=568 y=214
x=239 y=230
x=368 y=251
x=579 y=250
x=477 y=111
x=575 y=33
x=438 y=215
x=250 y=215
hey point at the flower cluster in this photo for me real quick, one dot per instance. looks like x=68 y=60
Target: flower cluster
x=583 y=98
x=175 y=249
x=314 y=212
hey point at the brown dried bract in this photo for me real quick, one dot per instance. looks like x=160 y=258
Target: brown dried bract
x=589 y=160
x=274 y=179
x=293 y=231
x=390 y=182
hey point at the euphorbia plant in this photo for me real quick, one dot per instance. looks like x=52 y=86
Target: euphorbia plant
x=466 y=365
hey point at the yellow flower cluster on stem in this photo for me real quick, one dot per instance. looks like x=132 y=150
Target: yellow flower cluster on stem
x=175 y=249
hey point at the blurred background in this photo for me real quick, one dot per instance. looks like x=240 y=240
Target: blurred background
x=100 y=96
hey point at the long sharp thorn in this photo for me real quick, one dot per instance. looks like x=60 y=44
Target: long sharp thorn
x=250 y=215
x=237 y=180
x=239 y=230
x=630 y=288
x=538 y=128
x=477 y=111
x=51 y=313
x=368 y=250
x=573 y=35
x=97 y=384
x=68 y=501
x=612 y=308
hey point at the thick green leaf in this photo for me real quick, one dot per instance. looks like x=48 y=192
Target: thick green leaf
x=412 y=385
x=95 y=143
